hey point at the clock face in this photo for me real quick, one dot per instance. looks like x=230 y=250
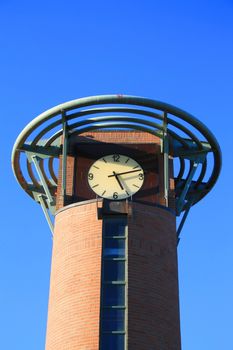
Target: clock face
x=115 y=177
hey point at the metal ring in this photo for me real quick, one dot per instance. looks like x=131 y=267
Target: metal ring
x=137 y=113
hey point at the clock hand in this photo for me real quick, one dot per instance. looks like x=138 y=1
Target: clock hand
x=126 y=172
x=114 y=174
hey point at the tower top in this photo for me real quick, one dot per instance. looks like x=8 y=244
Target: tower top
x=196 y=152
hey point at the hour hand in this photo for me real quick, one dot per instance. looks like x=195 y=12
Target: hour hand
x=118 y=180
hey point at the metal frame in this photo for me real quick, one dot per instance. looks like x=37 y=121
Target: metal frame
x=123 y=219
x=178 y=130
x=165 y=150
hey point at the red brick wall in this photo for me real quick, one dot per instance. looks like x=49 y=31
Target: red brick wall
x=153 y=303
x=74 y=302
x=117 y=137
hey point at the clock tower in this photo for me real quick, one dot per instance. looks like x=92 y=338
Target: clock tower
x=116 y=207
x=115 y=175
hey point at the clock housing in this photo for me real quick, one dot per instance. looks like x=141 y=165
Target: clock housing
x=85 y=149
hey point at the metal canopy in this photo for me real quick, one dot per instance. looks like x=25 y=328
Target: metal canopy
x=195 y=150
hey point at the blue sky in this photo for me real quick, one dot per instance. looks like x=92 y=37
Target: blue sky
x=179 y=52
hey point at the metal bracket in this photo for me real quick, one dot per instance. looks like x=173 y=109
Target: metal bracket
x=184 y=217
x=181 y=200
x=192 y=150
x=42 y=202
x=35 y=160
x=32 y=158
x=41 y=151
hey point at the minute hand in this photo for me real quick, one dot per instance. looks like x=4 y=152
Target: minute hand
x=126 y=172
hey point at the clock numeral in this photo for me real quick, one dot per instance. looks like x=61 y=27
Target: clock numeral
x=115 y=195
x=140 y=176
x=90 y=176
x=116 y=157
x=95 y=185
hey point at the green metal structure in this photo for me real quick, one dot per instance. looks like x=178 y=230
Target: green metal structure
x=196 y=152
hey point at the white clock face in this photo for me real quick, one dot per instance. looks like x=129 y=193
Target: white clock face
x=115 y=177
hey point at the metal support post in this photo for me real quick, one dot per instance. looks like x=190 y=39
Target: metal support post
x=181 y=200
x=165 y=159
x=41 y=150
x=64 y=154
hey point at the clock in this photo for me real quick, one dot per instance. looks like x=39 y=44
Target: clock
x=115 y=177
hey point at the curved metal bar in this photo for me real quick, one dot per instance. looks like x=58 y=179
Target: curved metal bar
x=136 y=121
x=45 y=130
x=113 y=119
x=202 y=174
x=110 y=125
x=51 y=170
x=116 y=118
x=47 y=180
x=139 y=112
x=191 y=162
x=31 y=174
x=77 y=124
x=52 y=174
x=115 y=99
x=121 y=110
x=125 y=125
x=51 y=161
x=84 y=128
x=132 y=122
x=181 y=172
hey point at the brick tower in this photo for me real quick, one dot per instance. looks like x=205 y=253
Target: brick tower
x=115 y=176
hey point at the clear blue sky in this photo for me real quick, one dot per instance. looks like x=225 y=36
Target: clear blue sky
x=179 y=52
